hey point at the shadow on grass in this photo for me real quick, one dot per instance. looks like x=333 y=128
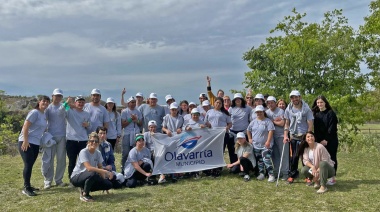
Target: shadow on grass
x=348 y=185
x=121 y=197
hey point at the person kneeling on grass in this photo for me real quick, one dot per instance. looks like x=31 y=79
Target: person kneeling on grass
x=318 y=164
x=88 y=173
x=139 y=164
x=246 y=161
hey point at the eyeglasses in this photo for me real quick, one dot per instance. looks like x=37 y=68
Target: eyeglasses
x=92 y=141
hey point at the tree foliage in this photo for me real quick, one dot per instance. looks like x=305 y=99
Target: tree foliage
x=314 y=58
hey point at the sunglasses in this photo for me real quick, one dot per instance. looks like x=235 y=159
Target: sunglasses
x=92 y=141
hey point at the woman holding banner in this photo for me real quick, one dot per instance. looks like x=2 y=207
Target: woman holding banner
x=246 y=160
x=219 y=117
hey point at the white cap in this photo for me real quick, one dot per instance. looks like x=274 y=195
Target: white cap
x=153 y=96
x=240 y=135
x=202 y=95
x=57 y=91
x=152 y=122
x=271 y=98
x=110 y=99
x=80 y=97
x=173 y=105
x=95 y=91
x=259 y=108
x=168 y=97
x=139 y=94
x=192 y=103
x=259 y=96
x=295 y=93
x=120 y=177
x=205 y=103
x=238 y=95
x=194 y=110
x=130 y=99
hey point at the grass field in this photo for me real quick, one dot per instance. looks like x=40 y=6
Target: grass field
x=358 y=189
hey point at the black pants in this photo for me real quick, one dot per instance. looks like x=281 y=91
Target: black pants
x=332 y=148
x=73 y=148
x=90 y=181
x=112 y=142
x=29 y=157
x=229 y=142
x=247 y=166
x=132 y=181
x=293 y=168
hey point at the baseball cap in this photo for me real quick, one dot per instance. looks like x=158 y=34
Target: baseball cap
x=194 y=110
x=168 y=97
x=110 y=99
x=271 y=98
x=259 y=96
x=259 y=108
x=152 y=122
x=95 y=91
x=240 y=135
x=295 y=93
x=153 y=96
x=192 y=103
x=173 y=105
x=205 y=103
x=202 y=95
x=238 y=95
x=139 y=94
x=80 y=97
x=130 y=99
x=57 y=91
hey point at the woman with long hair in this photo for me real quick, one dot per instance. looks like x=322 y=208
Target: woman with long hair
x=246 y=160
x=114 y=127
x=239 y=114
x=29 y=141
x=219 y=117
x=326 y=129
x=318 y=164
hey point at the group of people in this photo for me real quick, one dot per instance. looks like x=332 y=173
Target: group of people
x=263 y=135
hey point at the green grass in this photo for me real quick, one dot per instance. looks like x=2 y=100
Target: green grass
x=358 y=189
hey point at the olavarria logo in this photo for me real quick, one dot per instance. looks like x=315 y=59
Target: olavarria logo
x=188 y=141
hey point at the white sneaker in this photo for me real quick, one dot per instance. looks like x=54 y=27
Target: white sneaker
x=331 y=181
x=162 y=180
x=271 y=178
x=246 y=178
x=47 y=186
x=261 y=177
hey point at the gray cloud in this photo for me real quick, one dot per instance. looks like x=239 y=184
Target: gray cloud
x=165 y=46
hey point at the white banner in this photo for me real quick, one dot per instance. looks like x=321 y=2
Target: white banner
x=190 y=151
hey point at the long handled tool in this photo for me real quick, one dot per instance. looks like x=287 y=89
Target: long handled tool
x=282 y=155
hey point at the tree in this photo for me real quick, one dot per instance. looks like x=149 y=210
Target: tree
x=314 y=58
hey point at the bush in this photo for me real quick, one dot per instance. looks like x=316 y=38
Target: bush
x=351 y=141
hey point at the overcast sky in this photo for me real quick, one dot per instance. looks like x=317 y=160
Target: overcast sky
x=162 y=46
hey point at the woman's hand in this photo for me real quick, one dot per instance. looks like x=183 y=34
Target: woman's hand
x=267 y=144
x=179 y=130
x=229 y=165
x=109 y=168
x=148 y=174
x=25 y=145
x=324 y=142
x=169 y=133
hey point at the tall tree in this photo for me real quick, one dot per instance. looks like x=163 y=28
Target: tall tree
x=315 y=58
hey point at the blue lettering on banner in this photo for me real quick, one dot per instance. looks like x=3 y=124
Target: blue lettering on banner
x=169 y=156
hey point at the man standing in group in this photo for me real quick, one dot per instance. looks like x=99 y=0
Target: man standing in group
x=298 y=120
x=56 y=118
x=152 y=111
x=169 y=99
x=98 y=113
